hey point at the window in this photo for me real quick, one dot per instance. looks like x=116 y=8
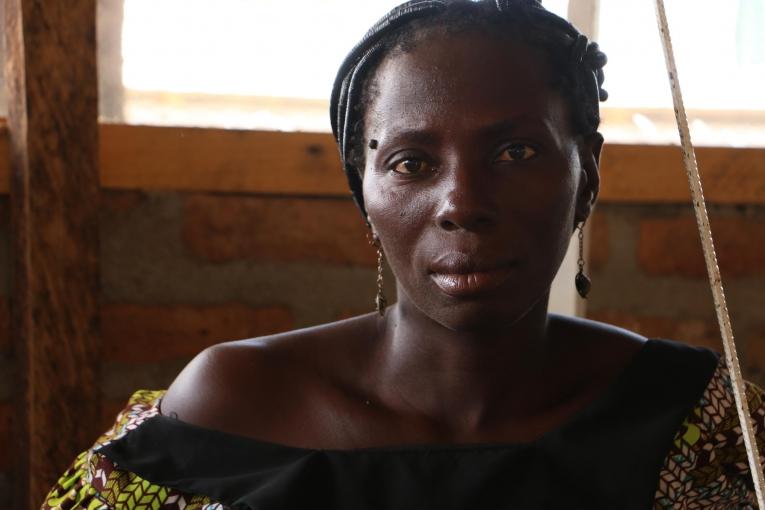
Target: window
x=250 y=64
x=720 y=50
x=269 y=64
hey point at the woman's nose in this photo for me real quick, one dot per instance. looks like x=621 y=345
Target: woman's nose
x=466 y=203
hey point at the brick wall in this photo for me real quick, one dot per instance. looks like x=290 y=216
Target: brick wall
x=184 y=271
x=181 y=272
x=649 y=275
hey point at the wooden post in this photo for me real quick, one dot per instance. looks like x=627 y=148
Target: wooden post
x=2 y=60
x=585 y=15
x=52 y=121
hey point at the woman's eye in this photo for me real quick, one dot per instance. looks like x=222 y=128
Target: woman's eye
x=517 y=152
x=410 y=166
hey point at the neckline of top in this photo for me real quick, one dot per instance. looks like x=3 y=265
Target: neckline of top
x=593 y=407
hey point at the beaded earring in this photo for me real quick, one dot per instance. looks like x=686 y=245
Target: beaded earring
x=380 y=301
x=582 y=281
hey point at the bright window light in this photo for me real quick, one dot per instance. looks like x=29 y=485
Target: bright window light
x=245 y=47
x=719 y=46
x=227 y=62
x=720 y=52
x=269 y=64
x=242 y=47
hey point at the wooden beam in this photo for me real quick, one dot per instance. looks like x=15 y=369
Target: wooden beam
x=585 y=15
x=188 y=159
x=192 y=159
x=53 y=141
x=654 y=174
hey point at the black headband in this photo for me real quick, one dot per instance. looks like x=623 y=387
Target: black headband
x=346 y=83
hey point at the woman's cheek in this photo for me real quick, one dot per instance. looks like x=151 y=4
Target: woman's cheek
x=399 y=218
x=386 y=198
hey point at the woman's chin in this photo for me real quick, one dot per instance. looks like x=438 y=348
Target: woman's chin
x=481 y=316
x=492 y=311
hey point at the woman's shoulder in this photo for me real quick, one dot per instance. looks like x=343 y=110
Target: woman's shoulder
x=95 y=482
x=254 y=387
x=707 y=461
x=606 y=342
x=599 y=350
x=706 y=464
x=674 y=369
x=595 y=333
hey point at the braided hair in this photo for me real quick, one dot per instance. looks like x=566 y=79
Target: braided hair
x=576 y=63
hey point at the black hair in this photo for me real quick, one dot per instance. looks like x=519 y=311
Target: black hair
x=576 y=63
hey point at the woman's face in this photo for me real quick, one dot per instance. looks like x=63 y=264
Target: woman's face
x=477 y=180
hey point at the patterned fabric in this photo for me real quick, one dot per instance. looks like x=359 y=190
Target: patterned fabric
x=93 y=482
x=707 y=467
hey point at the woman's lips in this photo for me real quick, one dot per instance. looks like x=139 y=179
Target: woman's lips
x=470 y=283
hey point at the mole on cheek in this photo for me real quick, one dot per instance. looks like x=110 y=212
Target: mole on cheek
x=373 y=144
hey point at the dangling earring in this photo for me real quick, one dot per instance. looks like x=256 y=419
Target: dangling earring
x=380 y=301
x=582 y=281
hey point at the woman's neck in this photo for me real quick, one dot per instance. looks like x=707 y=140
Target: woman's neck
x=462 y=379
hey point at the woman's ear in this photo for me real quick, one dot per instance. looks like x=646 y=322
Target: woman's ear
x=589 y=181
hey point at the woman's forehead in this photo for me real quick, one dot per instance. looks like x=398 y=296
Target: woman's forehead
x=465 y=79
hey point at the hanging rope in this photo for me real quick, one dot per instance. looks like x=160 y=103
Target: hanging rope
x=702 y=218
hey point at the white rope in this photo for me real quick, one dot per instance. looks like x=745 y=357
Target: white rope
x=699 y=205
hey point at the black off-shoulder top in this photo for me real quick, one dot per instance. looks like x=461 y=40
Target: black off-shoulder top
x=609 y=456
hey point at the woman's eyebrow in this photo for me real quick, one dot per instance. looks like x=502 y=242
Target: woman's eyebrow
x=503 y=126
x=419 y=136
x=509 y=125
x=428 y=137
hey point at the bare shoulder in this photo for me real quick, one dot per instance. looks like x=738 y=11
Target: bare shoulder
x=207 y=387
x=248 y=387
x=599 y=347
x=596 y=332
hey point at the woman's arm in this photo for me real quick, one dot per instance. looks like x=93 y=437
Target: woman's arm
x=93 y=482
x=707 y=465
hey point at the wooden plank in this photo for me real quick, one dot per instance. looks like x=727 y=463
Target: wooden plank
x=307 y=163
x=654 y=174
x=190 y=159
x=585 y=15
x=53 y=138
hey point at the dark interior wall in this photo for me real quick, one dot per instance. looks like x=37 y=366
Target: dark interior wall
x=7 y=365
x=183 y=271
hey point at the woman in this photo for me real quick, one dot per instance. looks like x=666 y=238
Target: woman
x=468 y=131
